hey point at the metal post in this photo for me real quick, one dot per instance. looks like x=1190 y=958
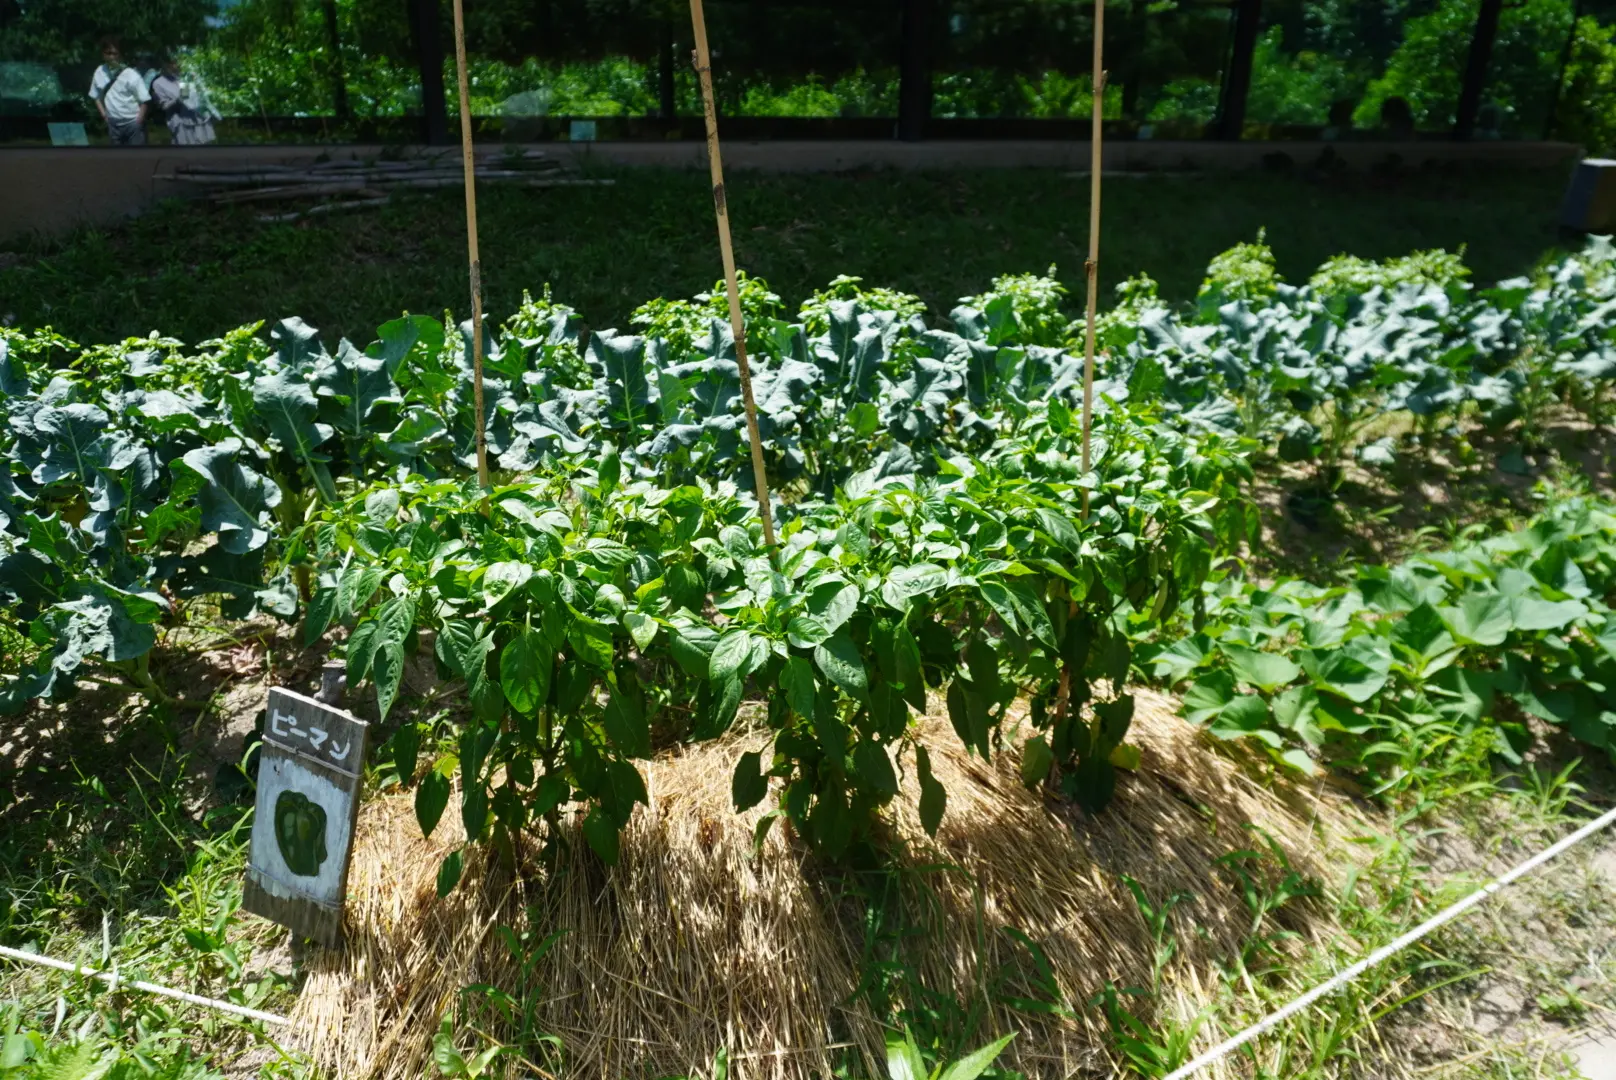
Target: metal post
x=1475 y=77
x=1237 y=77
x=914 y=71
x=665 y=89
x=426 y=30
x=333 y=41
x=1553 y=117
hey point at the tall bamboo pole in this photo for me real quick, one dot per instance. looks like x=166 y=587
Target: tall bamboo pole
x=1091 y=268
x=470 y=166
x=704 y=70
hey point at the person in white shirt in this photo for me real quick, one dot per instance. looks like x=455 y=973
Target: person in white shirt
x=184 y=105
x=121 y=96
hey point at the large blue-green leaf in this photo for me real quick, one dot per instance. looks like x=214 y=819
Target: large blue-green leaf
x=235 y=500
x=351 y=387
x=1356 y=670
x=286 y=406
x=71 y=435
x=624 y=377
x=1479 y=619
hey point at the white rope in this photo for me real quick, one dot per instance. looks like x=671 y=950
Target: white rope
x=1447 y=915
x=113 y=980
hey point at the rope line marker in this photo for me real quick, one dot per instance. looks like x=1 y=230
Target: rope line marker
x=116 y=981
x=1345 y=976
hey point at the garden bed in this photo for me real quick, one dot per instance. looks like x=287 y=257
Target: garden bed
x=694 y=943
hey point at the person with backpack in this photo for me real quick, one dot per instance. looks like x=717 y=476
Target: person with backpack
x=184 y=105
x=121 y=97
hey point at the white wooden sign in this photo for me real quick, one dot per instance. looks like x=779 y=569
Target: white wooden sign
x=309 y=770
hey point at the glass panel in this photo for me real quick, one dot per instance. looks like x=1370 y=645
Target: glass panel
x=619 y=61
x=1031 y=59
x=225 y=71
x=1389 y=68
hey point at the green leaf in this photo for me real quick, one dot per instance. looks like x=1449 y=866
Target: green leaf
x=524 y=671
x=1243 y=716
x=431 y=797
x=449 y=873
x=906 y=654
x=394 y=621
x=1293 y=710
x=833 y=603
x=601 y=833
x=625 y=720
x=749 y=786
x=1208 y=696
x=1425 y=638
x=933 y=799
x=1534 y=613
x=974 y=1064
x=609 y=471
x=406 y=748
x=737 y=654
x=1036 y=761
x=641 y=627
x=1030 y=606
x=1356 y=670
x=806 y=631
x=351 y=387
x=1180 y=659
x=1300 y=761
x=797 y=680
x=903 y=1057
x=1264 y=670
x=592 y=641
x=503 y=578
x=235 y=501
x=839 y=659
x=284 y=402
x=998 y=598
x=1127 y=756
x=692 y=648
x=1479 y=619
x=1061 y=530
x=874 y=769
x=726 y=701
x=318 y=616
x=907 y=582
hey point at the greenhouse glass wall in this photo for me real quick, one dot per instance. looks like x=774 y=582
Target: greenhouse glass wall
x=122 y=72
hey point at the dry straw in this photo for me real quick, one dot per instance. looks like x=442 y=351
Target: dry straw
x=691 y=944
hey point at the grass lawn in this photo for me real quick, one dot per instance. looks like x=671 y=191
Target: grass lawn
x=194 y=270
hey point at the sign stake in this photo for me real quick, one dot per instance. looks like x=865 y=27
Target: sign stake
x=704 y=70
x=1091 y=268
x=470 y=167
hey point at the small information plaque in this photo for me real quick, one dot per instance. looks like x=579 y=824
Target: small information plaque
x=309 y=769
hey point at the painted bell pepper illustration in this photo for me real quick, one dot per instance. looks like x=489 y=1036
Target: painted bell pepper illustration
x=300 y=832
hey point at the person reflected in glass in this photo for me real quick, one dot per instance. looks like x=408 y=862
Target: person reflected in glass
x=120 y=96
x=1397 y=118
x=183 y=105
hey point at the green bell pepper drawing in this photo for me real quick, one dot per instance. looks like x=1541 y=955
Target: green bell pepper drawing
x=300 y=832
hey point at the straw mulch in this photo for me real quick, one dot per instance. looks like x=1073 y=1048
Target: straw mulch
x=690 y=943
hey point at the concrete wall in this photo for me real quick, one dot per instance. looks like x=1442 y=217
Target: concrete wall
x=47 y=190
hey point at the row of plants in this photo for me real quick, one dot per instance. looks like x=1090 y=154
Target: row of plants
x=1481 y=637
x=1368 y=361
x=609 y=595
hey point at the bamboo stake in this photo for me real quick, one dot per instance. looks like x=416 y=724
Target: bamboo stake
x=1091 y=268
x=470 y=170
x=704 y=69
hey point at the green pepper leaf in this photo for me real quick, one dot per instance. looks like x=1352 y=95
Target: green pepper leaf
x=749 y=785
